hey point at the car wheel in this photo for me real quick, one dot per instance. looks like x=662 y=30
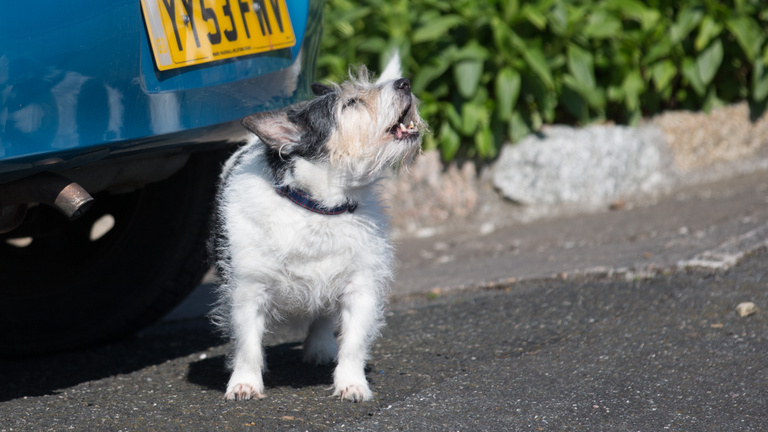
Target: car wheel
x=124 y=264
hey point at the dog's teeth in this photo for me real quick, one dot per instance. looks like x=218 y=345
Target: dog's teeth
x=403 y=128
x=411 y=125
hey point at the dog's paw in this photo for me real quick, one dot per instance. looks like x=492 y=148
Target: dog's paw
x=243 y=392
x=353 y=392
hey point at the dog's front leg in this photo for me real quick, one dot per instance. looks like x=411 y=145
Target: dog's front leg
x=249 y=318
x=359 y=323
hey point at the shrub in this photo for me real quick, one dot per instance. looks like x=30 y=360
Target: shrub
x=491 y=70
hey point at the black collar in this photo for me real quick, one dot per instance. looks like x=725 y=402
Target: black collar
x=303 y=199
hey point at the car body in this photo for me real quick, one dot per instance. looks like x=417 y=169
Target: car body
x=90 y=115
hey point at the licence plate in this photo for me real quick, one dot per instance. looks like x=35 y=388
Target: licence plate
x=190 y=32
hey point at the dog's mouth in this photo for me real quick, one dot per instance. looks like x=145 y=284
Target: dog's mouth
x=400 y=130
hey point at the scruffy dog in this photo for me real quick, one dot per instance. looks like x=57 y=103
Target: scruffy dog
x=301 y=236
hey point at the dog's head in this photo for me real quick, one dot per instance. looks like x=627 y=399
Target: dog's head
x=360 y=126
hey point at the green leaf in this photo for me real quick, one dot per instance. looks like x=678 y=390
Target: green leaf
x=449 y=141
x=484 y=143
x=558 y=19
x=436 y=29
x=595 y=97
x=518 y=127
x=660 y=49
x=759 y=83
x=471 y=51
x=765 y=55
x=507 y=91
x=708 y=30
x=615 y=93
x=634 y=117
x=747 y=33
x=575 y=103
x=345 y=29
x=467 y=75
x=435 y=66
x=760 y=89
x=472 y=114
x=451 y=114
x=502 y=38
x=535 y=17
x=709 y=62
x=646 y=16
x=429 y=143
x=510 y=9
x=581 y=65
x=602 y=25
x=686 y=21
x=712 y=101
x=691 y=73
x=352 y=15
x=662 y=74
x=633 y=86
x=373 y=45
x=541 y=101
x=538 y=63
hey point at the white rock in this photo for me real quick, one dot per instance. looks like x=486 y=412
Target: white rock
x=593 y=165
x=746 y=309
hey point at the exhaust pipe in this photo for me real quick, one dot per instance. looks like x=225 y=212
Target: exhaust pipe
x=47 y=188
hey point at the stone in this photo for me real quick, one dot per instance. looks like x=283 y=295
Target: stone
x=746 y=309
x=700 y=139
x=591 y=166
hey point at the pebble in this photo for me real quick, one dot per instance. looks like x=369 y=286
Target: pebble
x=746 y=309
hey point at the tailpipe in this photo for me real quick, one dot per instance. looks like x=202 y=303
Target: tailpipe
x=47 y=188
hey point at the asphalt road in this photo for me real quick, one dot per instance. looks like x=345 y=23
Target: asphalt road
x=645 y=344
x=666 y=353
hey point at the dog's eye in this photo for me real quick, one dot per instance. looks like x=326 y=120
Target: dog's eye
x=349 y=103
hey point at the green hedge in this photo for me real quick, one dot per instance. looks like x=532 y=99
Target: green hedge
x=489 y=70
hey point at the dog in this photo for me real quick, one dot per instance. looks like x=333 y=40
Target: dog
x=301 y=236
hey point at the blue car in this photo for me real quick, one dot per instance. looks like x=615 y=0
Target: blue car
x=115 y=118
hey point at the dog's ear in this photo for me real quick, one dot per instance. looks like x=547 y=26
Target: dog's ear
x=275 y=129
x=321 y=89
x=393 y=70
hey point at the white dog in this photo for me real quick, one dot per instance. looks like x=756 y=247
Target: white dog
x=300 y=233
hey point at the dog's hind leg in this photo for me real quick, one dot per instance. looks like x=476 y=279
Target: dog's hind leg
x=359 y=324
x=249 y=320
x=320 y=345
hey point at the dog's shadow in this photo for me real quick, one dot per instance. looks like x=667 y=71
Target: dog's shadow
x=286 y=369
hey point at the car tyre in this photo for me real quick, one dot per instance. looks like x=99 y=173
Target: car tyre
x=120 y=267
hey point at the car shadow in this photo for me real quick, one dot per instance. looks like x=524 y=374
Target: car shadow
x=48 y=374
x=44 y=375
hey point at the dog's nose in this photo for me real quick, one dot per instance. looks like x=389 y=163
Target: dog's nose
x=403 y=84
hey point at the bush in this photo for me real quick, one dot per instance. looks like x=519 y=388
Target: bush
x=491 y=70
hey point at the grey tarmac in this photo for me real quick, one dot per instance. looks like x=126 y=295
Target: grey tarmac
x=617 y=321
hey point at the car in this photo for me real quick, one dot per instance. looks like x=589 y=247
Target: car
x=115 y=118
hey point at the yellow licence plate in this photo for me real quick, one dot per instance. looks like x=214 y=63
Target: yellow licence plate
x=189 y=32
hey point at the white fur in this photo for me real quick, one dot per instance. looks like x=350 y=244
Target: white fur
x=280 y=262
x=289 y=263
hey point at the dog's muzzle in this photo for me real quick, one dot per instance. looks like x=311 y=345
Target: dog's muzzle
x=399 y=129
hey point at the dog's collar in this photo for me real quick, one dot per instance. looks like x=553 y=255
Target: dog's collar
x=303 y=199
